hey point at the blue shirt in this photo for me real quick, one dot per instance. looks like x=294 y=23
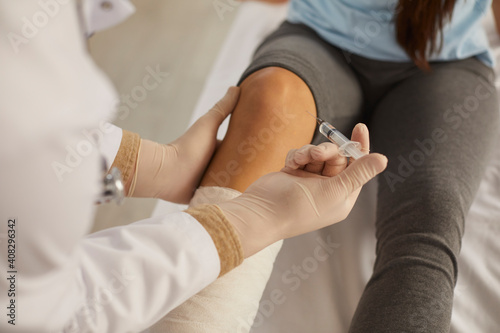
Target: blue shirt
x=366 y=28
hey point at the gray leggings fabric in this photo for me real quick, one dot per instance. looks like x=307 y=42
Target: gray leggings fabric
x=436 y=129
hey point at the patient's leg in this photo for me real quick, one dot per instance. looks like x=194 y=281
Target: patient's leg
x=269 y=120
x=435 y=168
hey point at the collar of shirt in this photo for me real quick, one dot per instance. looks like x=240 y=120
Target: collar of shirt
x=98 y=15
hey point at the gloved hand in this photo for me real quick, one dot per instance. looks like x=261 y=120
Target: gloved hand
x=173 y=171
x=316 y=188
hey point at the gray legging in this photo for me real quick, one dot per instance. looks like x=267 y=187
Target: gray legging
x=436 y=129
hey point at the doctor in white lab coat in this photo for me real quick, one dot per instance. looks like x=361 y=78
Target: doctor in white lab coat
x=53 y=137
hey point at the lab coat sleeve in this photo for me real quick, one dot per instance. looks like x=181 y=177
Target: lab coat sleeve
x=117 y=280
x=133 y=275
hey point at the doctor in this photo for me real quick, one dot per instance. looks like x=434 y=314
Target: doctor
x=55 y=277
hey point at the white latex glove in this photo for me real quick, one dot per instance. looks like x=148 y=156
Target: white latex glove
x=316 y=188
x=173 y=171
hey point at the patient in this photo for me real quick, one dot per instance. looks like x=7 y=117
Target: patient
x=419 y=72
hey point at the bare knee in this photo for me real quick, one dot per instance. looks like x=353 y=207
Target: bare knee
x=275 y=78
x=272 y=106
x=276 y=92
x=269 y=120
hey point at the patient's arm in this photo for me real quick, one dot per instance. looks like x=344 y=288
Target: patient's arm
x=268 y=121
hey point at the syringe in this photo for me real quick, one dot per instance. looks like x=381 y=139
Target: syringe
x=347 y=147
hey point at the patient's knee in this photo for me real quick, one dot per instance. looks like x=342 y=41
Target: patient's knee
x=275 y=81
x=268 y=121
x=432 y=207
x=275 y=96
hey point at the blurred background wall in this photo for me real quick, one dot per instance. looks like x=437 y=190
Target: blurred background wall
x=182 y=38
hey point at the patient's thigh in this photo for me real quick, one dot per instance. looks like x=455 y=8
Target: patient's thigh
x=289 y=75
x=436 y=129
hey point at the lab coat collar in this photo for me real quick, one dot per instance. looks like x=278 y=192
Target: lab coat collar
x=98 y=15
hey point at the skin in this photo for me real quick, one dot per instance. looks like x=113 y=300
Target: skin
x=268 y=121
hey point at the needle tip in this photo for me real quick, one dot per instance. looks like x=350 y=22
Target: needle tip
x=317 y=119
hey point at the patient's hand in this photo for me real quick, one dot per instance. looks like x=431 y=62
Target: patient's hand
x=316 y=188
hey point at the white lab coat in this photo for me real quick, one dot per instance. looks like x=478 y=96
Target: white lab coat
x=52 y=106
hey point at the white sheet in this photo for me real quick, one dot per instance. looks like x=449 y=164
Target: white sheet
x=323 y=295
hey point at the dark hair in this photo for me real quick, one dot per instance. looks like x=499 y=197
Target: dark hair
x=418 y=25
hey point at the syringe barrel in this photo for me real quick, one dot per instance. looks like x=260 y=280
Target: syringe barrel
x=333 y=134
x=346 y=147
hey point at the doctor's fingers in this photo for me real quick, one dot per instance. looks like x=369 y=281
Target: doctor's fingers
x=211 y=120
x=224 y=106
x=347 y=184
x=299 y=158
x=361 y=134
x=323 y=159
x=328 y=154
